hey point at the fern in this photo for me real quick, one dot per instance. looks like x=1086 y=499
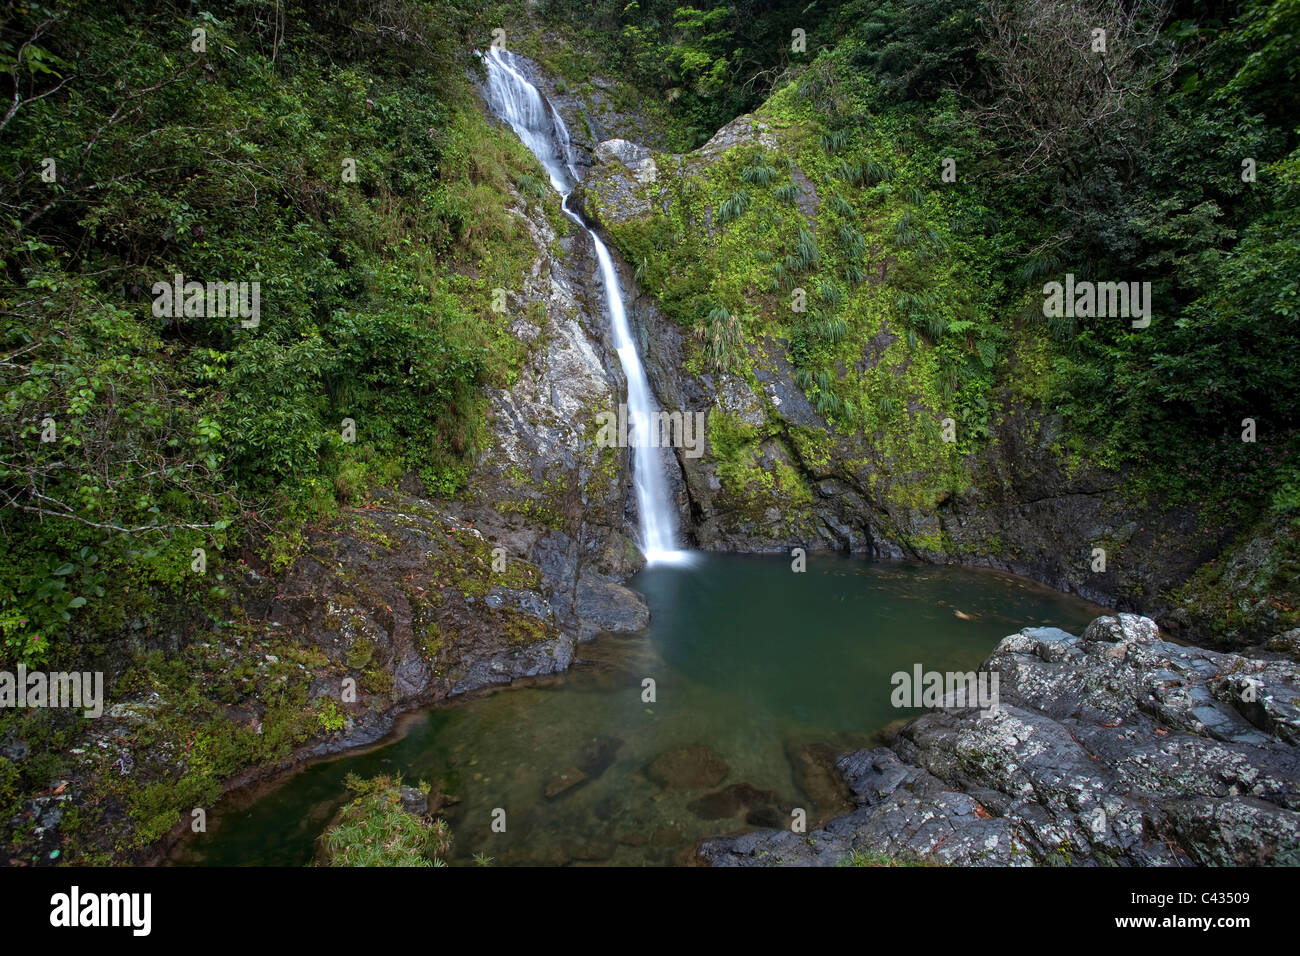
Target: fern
x=805 y=252
x=721 y=334
x=1036 y=267
x=733 y=206
x=871 y=172
x=848 y=172
x=833 y=329
x=758 y=175
x=852 y=242
x=907 y=233
x=830 y=293
x=835 y=140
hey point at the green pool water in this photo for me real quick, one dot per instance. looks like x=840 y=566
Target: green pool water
x=758 y=673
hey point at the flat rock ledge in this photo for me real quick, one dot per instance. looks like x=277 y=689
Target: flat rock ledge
x=1111 y=748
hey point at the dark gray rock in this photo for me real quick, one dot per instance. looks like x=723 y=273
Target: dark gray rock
x=414 y=801
x=603 y=605
x=1115 y=747
x=14 y=748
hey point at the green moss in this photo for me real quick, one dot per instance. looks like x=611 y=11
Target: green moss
x=856 y=858
x=902 y=321
x=360 y=653
x=755 y=481
x=376 y=680
x=537 y=511
x=936 y=542
x=815 y=446
x=331 y=716
x=185 y=745
x=434 y=638
x=1252 y=590
x=369 y=530
x=521 y=628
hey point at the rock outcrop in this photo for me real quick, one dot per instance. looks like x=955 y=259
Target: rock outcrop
x=1113 y=747
x=503 y=581
x=542 y=489
x=400 y=601
x=1016 y=503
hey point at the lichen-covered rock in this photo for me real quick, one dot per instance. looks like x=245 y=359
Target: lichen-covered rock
x=1113 y=747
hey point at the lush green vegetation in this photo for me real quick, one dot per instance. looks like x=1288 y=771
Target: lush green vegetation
x=131 y=439
x=691 y=66
x=961 y=155
x=910 y=179
x=374 y=829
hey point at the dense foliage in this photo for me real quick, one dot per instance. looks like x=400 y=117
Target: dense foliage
x=1129 y=166
x=374 y=829
x=131 y=438
x=1168 y=157
x=694 y=66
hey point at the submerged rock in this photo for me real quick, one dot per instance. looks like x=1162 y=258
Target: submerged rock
x=1114 y=747
x=604 y=605
x=688 y=768
x=815 y=774
x=598 y=756
x=564 y=782
x=730 y=801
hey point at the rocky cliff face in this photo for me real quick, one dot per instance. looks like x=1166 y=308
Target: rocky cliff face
x=1114 y=747
x=503 y=581
x=397 y=603
x=1016 y=503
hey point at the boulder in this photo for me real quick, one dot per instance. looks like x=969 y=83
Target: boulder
x=1113 y=747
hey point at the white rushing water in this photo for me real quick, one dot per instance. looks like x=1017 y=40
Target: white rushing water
x=542 y=130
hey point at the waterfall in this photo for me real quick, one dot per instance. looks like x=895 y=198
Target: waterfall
x=540 y=127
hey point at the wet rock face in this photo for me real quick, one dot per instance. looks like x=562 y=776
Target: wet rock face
x=743 y=130
x=543 y=490
x=1113 y=747
x=589 y=110
x=416 y=600
x=622 y=176
x=403 y=599
x=604 y=606
x=1021 y=510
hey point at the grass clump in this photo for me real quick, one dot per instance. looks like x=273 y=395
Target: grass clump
x=374 y=829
